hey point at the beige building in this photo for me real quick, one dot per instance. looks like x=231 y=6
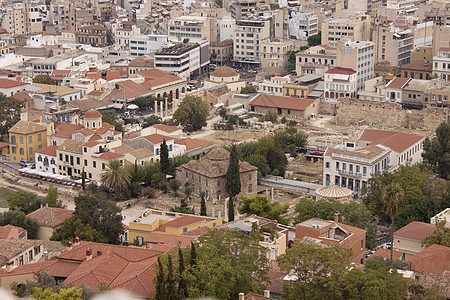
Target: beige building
x=20 y=252
x=354 y=27
x=225 y=75
x=393 y=44
x=94 y=35
x=409 y=239
x=275 y=53
x=290 y=107
x=209 y=175
x=316 y=60
x=49 y=219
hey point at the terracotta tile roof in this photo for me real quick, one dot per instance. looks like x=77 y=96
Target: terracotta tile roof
x=88 y=104
x=8 y=83
x=91 y=144
x=224 y=71
x=394 y=140
x=340 y=70
x=275 y=276
x=71 y=146
x=107 y=125
x=124 y=29
x=11 y=247
x=122 y=149
x=127 y=23
x=120 y=94
x=141 y=153
x=166 y=128
x=92 y=114
x=198 y=231
x=8 y=230
x=418 y=66
x=191 y=143
x=68 y=126
x=184 y=221
x=102 y=130
x=415 y=231
x=157 y=237
x=157 y=138
x=50 y=216
x=133 y=87
x=109 y=155
x=434 y=259
x=49 y=150
x=381 y=252
x=55 y=268
x=281 y=102
x=22 y=96
x=2 y=145
x=142 y=62
x=156 y=77
x=96 y=93
x=94 y=76
x=445 y=49
x=85 y=132
x=67 y=134
x=95 y=137
x=397 y=83
x=112 y=75
x=26 y=127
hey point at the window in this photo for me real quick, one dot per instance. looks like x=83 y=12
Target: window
x=85 y=149
x=184 y=229
x=362 y=244
x=85 y=162
x=250 y=188
x=94 y=164
x=78 y=160
x=21 y=139
x=327 y=164
x=21 y=151
x=337 y=165
x=60 y=157
x=30 y=255
x=103 y=166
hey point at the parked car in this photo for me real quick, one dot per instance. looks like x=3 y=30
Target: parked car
x=317 y=152
x=24 y=163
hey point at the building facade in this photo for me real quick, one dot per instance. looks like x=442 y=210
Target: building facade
x=339 y=83
x=441 y=64
x=275 y=53
x=24 y=138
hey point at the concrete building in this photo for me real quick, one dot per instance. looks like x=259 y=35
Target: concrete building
x=316 y=60
x=393 y=44
x=62 y=15
x=221 y=52
x=46 y=160
x=124 y=33
x=247 y=40
x=194 y=28
x=147 y=44
x=415 y=94
x=274 y=85
x=209 y=175
x=241 y=9
x=10 y=87
x=275 y=53
x=359 y=56
x=355 y=27
x=302 y=24
x=441 y=64
x=94 y=35
x=225 y=28
x=24 y=138
x=340 y=83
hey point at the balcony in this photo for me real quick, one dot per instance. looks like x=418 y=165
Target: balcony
x=351 y=173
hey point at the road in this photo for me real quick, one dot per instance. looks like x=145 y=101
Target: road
x=293 y=185
x=208 y=129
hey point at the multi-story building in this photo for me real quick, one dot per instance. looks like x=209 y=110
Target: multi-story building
x=10 y=87
x=225 y=28
x=20 y=252
x=415 y=94
x=302 y=86
x=393 y=44
x=24 y=138
x=247 y=40
x=351 y=165
x=147 y=44
x=274 y=85
x=316 y=60
x=408 y=239
x=221 y=52
x=46 y=160
x=124 y=33
x=95 y=35
x=275 y=53
x=184 y=60
x=15 y=19
x=441 y=64
x=339 y=83
x=62 y=15
x=194 y=28
x=354 y=27
x=359 y=56
x=302 y=24
x=241 y=9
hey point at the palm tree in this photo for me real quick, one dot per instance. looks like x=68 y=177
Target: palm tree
x=115 y=176
x=392 y=199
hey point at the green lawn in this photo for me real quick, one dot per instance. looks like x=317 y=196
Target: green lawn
x=4 y=195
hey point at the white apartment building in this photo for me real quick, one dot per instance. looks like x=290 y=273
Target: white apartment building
x=147 y=44
x=46 y=159
x=247 y=39
x=302 y=24
x=274 y=85
x=351 y=165
x=354 y=27
x=62 y=15
x=193 y=28
x=315 y=60
x=441 y=64
x=124 y=33
x=225 y=28
x=359 y=56
x=339 y=83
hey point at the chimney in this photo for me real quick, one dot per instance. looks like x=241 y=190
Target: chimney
x=267 y=293
x=99 y=252
x=88 y=254
x=76 y=241
x=241 y=296
x=336 y=217
x=9 y=266
x=69 y=246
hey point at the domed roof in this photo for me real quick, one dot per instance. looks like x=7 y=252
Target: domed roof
x=218 y=154
x=92 y=114
x=224 y=72
x=333 y=191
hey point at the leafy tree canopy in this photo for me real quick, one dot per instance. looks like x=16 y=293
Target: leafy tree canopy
x=152 y=120
x=440 y=236
x=249 y=89
x=45 y=79
x=191 y=113
x=437 y=151
x=73 y=228
x=111 y=118
x=19 y=219
x=314 y=40
x=261 y=206
x=9 y=113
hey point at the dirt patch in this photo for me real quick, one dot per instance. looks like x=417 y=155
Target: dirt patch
x=226 y=137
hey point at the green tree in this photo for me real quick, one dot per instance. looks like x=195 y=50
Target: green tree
x=44 y=79
x=290 y=136
x=440 y=236
x=170 y=281
x=151 y=120
x=10 y=113
x=292 y=60
x=51 y=199
x=248 y=89
x=101 y=213
x=318 y=269
x=271 y=115
x=202 y=204
x=115 y=177
x=314 y=40
x=19 y=219
x=222 y=112
x=193 y=255
x=182 y=284
x=160 y=282
x=233 y=184
x=437 y=151
x=392 y=199
x=191 y=113
x=261 y=206
x=143 y=102
x=174 y=185
x=83 y=179
x=24 y=201
x=164 y=158
x=72 y=293
x=111 y=118
x=72 y=228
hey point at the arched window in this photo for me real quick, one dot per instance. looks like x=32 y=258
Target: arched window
x=250 y=188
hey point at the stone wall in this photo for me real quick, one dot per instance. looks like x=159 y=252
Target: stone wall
x=326 y=108
x=436 y=280
x=385 y=114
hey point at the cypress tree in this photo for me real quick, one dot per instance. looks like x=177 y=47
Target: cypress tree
x=160 y=284
x=170 y=281
x=182 y=286
x=193 y=255
x=83 y=180
x=233 y=185
x=202 y=204
x=164 y=158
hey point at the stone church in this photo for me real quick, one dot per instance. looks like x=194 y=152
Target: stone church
x=209 y=175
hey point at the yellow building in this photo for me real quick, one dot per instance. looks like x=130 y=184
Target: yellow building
x=408 y=239
x=170 y=222
x=24 y=138
x=4 y=49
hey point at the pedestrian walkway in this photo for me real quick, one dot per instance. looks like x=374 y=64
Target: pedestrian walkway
x=292 y=185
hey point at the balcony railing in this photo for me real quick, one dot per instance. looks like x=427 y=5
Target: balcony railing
x=351 y=173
